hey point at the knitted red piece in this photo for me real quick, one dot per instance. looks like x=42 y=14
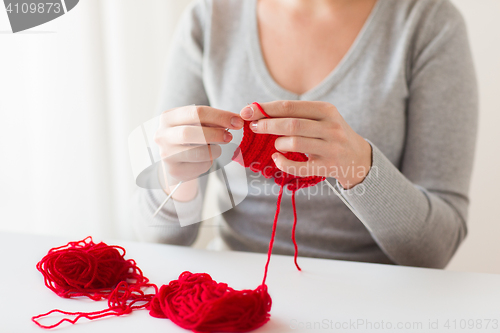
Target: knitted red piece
x=256 y=150
x=194 y=301
x=97 y=271
x=198 y=303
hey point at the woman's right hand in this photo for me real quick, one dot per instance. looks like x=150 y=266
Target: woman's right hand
x=189 y=140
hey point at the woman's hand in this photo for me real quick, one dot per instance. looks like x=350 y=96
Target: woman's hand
x=318 y=130
x=189 y=139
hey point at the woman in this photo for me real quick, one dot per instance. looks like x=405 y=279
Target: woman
x=386 y=88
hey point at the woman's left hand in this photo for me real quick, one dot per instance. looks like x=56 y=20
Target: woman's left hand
x=318 y=130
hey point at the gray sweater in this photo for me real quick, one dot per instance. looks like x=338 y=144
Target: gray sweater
x=407 y=85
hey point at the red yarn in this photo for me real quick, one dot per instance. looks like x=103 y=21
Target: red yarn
x=97 y=271
x=293 y=231
x=255 y=152
x=273 y=234
x=198 y=303
x=193 y=301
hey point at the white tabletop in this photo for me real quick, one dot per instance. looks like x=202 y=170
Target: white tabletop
x=328 y=295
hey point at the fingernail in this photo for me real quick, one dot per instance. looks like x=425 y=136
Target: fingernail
x=275 y=157
x=228 y=137
x=253 y=126
x=237 y=122
x=247 y=112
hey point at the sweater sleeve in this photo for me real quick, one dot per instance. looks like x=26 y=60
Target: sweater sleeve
x=182 y=85
x=418 y=213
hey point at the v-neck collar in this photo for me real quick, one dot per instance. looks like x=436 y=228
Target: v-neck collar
x=260 y=67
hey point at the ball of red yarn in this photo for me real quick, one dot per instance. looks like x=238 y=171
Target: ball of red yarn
x=84 y=268
x=198 y=303
x=97 y=271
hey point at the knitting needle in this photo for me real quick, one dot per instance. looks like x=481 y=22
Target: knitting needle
x=346 y=203
x=326 y=181
x=169 y=196
x=166 y=200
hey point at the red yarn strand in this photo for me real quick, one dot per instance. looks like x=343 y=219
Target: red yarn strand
x=79 y=315
x=293 y=232
x=198 y=303
x=273 y=234
x=261 y=109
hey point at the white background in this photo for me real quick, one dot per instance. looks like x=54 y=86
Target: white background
x=73 y=89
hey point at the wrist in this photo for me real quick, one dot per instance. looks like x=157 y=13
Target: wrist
x=360 y=167
x=187 y=191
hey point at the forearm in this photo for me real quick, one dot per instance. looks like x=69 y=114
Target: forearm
x=418 y=213
x=412 y=225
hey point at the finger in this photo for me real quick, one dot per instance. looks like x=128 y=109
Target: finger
x=288 y=126
x=201 y=115
x=181 y=135
x=253 y=112
x=203 y=153
x=300 y=145
x=301 y=169
x=289 y=109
